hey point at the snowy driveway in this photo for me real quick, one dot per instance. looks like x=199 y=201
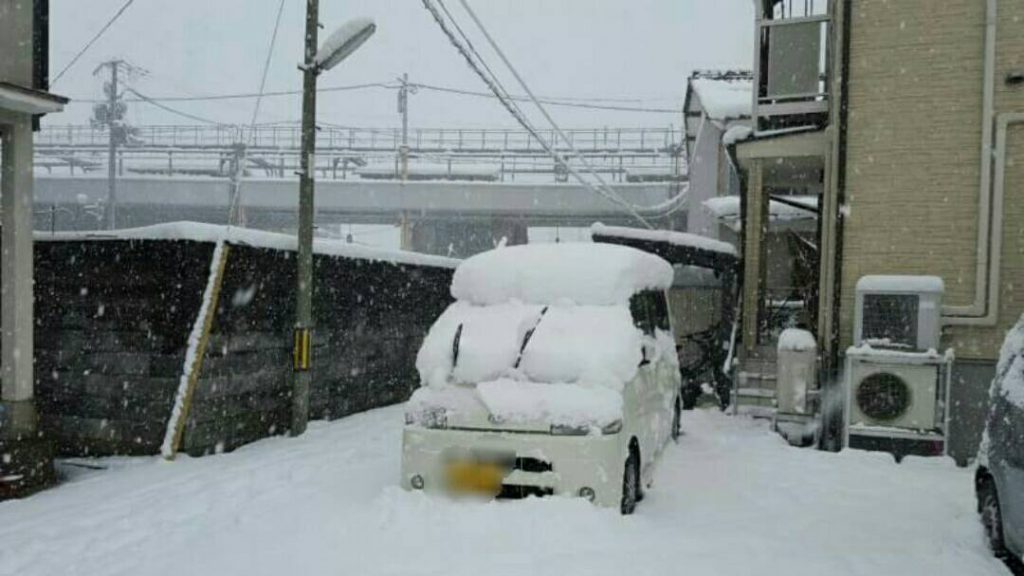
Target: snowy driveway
x=731 y=498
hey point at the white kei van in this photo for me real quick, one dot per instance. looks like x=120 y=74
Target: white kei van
x=553 y=372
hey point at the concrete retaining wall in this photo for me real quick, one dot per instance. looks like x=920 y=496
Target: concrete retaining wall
x=113 y=319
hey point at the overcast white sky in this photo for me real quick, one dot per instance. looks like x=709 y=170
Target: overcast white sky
x=640 y=50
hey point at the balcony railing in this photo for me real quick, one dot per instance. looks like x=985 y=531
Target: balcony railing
x=792 y=67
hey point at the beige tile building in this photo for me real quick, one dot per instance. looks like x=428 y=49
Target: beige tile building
x=906 y=119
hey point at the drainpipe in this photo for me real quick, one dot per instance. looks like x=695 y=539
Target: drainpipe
x=990 y=204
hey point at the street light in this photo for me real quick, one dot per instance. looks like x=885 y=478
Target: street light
x=338 y=46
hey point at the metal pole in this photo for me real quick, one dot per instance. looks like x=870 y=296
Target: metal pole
x=304 y=288
x=403 y=109
x=112 y=147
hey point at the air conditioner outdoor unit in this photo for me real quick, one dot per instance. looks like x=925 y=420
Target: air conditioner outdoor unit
x=897 y=382
x=898 y=312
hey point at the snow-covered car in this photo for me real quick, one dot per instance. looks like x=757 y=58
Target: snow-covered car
x=553 y=372
x=999 y=479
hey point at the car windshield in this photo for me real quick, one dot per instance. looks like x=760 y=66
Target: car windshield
x=593 y=344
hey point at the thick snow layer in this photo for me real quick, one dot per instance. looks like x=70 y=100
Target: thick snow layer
x=345 y=33
x=881 y=283
x=597 y=274
x=724 y=99
x=563 y=404
x=1011 y=365
x=666 y=236
x=736 y=134
x=796 y=340
x=727 y=208
x=730 y=499
x=592 y=345
x=199 y=232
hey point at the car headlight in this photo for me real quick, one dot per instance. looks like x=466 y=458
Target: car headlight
x=567 y=430
x=585 y=429
x=434 y=418
x=612 y=428
x=428 y=418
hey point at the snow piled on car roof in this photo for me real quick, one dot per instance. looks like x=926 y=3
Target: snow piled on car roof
x=583 y=273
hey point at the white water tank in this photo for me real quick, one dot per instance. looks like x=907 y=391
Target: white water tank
x=796 y=371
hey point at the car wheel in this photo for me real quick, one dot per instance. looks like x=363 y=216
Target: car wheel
x=677 y=419
x=992 y=518
x=691 y=393
x=630 y=483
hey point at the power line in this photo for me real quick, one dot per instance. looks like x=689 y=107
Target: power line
x=93 y=40
x=266 y=63
x=246 y=95
x=522 y=83
x=567 y=102
x=519 y=116
x=242 y=158
x=166 y=108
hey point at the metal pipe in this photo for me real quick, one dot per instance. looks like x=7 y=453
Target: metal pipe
x=977 y=313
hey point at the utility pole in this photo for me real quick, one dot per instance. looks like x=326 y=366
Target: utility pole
x=307 y=171
x=111 y=117
x=403 y=109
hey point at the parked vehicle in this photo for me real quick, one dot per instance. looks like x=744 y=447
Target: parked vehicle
x=554 y=372
x=999 y=480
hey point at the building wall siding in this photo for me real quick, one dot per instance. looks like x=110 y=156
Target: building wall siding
x=914 y=157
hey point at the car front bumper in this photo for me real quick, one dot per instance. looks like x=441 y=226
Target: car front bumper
x=545 y=463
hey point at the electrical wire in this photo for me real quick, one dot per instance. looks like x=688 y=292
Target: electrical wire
x=236 y=185
x=521 y=118
x=522 y=83
x=566 y=102
x=266 y=63
x=93 y=40
x=166 y=108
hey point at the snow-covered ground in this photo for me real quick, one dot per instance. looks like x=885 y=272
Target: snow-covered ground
x=731 y=498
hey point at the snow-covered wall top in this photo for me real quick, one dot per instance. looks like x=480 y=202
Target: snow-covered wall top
x=200 y=232
x=584 y=273
x=724 y=99
x=667 y=236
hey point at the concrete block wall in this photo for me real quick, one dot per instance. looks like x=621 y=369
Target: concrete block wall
x=114 y=317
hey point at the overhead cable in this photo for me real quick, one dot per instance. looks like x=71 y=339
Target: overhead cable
x=92 y=41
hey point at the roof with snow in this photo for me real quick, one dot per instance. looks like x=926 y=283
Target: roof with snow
x=675 y=247
x=583 y=273
x=199 y=232
x=724 y=95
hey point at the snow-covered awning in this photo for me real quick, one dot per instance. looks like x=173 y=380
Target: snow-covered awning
x=798 y=208
x=724 y=98
x=28 y=101
x=676 y=247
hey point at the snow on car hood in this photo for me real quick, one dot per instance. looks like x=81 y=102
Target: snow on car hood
x=513 y=402
x=587 y=345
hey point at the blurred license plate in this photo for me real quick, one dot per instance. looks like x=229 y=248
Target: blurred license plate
x=470 y=477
